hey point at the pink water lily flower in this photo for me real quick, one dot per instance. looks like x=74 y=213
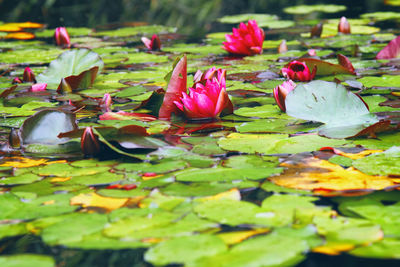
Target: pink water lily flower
x=298 y=71
x=245 y=40
x=153 y=44
x=203 y=77
x=61 y=37
x=281 y=91
x=207 y=98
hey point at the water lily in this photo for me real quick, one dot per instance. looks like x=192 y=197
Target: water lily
x=106 y=103
x=281 y=91
x=28 y=75
x=16 y=80
x=207 y=98
x=38 y=87
x=154 y=44
x=344 y=26
x=61 y=37
x=298 y=71
x=203 y=77
x=90 y=144
x=245 y=40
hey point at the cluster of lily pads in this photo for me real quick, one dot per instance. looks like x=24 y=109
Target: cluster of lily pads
x=108 y=148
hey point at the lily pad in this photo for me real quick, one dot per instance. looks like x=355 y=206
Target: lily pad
x=343 y=112
x=70 y=63
x=306 y=9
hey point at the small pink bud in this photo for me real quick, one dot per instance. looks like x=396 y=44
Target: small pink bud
x=282 y=48
x=38 y=87
x=61 y=37
x=28 y=75
x=316 y=31
x=344 y=26
x=105 y=103
x=281 y=91
x=16 y=80
x=154 y=44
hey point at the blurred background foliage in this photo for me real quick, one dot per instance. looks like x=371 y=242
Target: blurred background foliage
x=191 y=17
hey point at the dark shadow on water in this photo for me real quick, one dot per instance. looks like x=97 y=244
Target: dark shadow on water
x=344 y=260
x=67 y=257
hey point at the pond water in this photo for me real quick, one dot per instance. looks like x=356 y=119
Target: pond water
x=99 y=167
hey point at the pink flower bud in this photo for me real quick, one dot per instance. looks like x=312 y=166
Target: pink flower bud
x=28 y=76
x=281 y=91
x=90 y=144
x=154 y=44
x=316 y=31
x=105 y=103
x=344 y=26
x=246 y=40
x=298 y=71
x=61 y=37
x=16 y=80
x=38 y=87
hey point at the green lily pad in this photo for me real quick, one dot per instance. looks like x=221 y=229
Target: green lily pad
x=27 y=260
x=260 y=18
x=306 y=9
x=72 y=62
x=343 y=113
x=386 y=163
x=185 y=249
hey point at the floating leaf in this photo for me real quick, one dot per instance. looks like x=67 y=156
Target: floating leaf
x=185 y=249
x=326 y=68
x=27 y=260
x=45 y=126
x=72 y=63
x=95 y=200
x=20 y=35
x=327 y=178
x=386 y=163
x=260 y=18
x=343 y=112
x=306 y=9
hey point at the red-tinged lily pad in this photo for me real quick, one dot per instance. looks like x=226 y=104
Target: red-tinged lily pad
x=392 y=50
x=345 y=62
x=381 y=126
x=81 y=81
x=326 y=68
x=343 y=112
x=79 y=66
x=44 y=127
x=8 y=91
x=177 y=84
